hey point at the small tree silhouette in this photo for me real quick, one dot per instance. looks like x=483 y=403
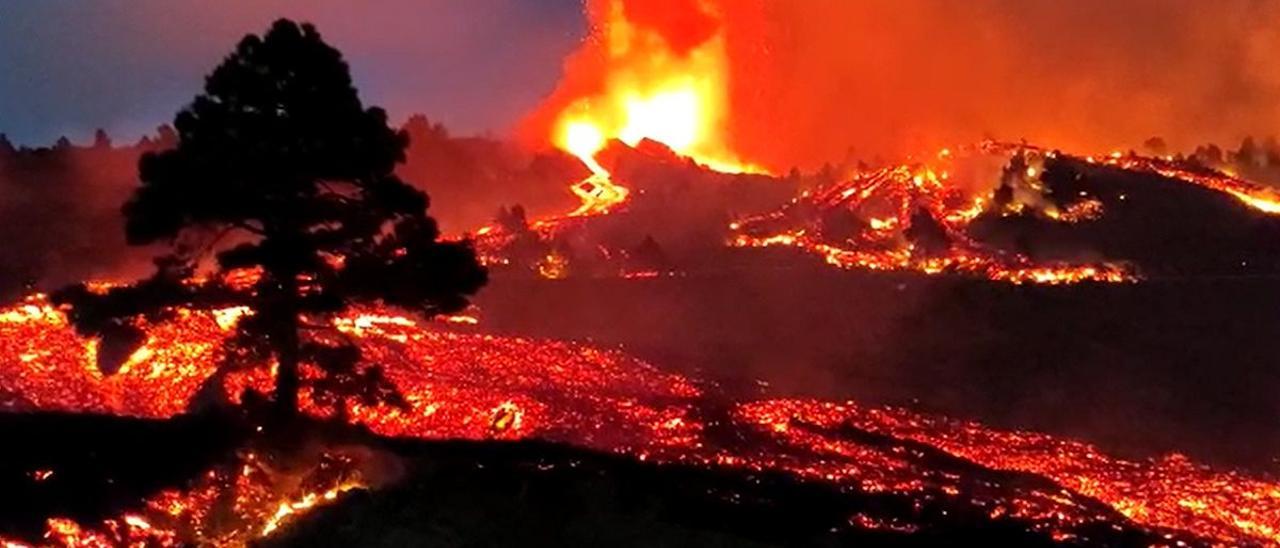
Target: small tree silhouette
x=279 y=169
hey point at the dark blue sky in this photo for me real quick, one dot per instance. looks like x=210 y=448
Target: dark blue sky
x=69 y=66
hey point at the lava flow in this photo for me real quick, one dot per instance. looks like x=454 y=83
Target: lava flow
x=913 y=217
x=476 y=386
x=1264 y=199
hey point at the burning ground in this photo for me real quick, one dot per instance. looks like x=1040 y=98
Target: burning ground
x=992 y=213
x=1010 y=213
x=642 y=172
x=481 y=386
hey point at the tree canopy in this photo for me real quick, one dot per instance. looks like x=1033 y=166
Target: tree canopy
x=280 y=171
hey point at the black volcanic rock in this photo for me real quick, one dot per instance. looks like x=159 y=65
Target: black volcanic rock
x=537 y=494
x=1164 y=226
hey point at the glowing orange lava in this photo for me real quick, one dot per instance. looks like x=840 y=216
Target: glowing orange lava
x=653 y=91
x=648 y=91
x=479 y=386
x=1264 y=199
x=927 y=188
x=906 y=197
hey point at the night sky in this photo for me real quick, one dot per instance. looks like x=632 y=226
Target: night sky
x=68 y=67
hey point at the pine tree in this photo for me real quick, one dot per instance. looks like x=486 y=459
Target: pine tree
x=279 y=157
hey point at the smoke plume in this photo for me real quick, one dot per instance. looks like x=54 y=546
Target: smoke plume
x=821 y=80
x=61 y=212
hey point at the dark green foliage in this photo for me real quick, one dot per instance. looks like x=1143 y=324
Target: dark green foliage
x=279 y=168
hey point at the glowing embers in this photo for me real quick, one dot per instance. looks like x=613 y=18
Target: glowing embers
x=915 y=217
x=44 y=365
x=231 y=505
x=485 y=387
x=1171 y=492
x=537 y=248
x=910 y=218
x=478 y=387
x=1086 y=210
x=458 y=385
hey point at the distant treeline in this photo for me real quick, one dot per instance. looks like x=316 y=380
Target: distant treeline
x=1255 y=160
x=60 y=210
x=60 y=204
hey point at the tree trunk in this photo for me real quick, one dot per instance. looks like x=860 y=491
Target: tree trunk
x=286 y=397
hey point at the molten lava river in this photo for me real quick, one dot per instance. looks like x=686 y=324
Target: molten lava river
x=477 y=386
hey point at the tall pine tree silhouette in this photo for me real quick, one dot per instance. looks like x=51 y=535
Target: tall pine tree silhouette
x=281 y=171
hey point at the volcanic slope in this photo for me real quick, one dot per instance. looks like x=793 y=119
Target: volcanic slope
x=478 y=386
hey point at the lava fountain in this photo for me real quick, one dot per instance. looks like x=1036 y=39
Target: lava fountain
x=634 y=80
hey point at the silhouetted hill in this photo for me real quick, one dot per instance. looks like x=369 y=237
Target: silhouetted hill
x=531 y=493
x=493 y=493
x=1166 y=227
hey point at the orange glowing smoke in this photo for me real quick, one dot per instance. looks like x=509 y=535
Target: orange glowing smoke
x=478 y=386
x=804 y=83
x=649 y=70
x=658 y=71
